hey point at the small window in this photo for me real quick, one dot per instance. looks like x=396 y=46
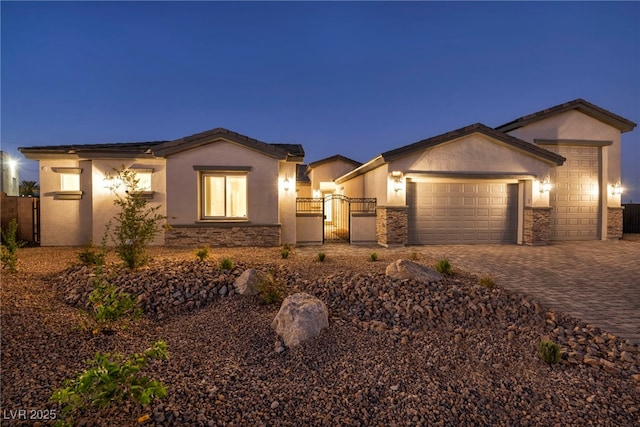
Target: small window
x=69 y=182
x=144 y=180
x=223 y=196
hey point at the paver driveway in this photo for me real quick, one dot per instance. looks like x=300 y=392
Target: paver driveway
x=596 y=281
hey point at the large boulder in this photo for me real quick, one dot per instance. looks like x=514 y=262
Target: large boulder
x=301 y=317
x=247 y=283
x=404 y=269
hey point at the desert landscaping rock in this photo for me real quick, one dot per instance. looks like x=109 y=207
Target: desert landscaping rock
x=404 y=269
x=300 y=318
x=398 y=352
x=247 y=283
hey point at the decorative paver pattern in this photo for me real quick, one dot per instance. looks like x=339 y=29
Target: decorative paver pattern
x=595 y=281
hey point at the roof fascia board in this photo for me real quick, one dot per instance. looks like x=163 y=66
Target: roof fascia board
x=369 y=166
x=188 y=145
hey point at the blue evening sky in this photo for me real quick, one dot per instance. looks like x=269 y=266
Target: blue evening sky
x=350 y=78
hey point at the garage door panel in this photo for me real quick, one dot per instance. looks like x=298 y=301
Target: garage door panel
x=487 y=213
x=574 y=197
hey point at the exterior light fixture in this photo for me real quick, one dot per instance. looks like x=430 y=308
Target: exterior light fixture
x=285 y=183
x=397 y=180
x=545 y=185
x=616 y=189
x=107 y=181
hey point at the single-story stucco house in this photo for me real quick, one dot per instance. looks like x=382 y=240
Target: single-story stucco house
x=551 y=175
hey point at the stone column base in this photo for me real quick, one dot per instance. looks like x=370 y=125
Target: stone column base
x=537 y=226
x=614 y=222
x=392 y=227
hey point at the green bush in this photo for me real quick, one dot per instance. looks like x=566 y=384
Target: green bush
x=10 y=245
x=136 y=224
x=414 y=256
x=284 y=253
x=226 y=264
x=91 y=255
x=111 y=379
x=108 y=304
x=443 y=266
x=202 y=253
x=549 y=351
x=487 y=281
x=373 y=256
x=321 y=256
x=270 y=289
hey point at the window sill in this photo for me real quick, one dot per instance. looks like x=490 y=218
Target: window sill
x=143 y=194
x=68 y=195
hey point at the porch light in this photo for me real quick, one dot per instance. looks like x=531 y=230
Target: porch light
x=616 y=189
x=545 y=185
x=397 y=180
x=285 y=183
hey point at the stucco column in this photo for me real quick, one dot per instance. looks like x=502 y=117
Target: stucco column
x=392 y=226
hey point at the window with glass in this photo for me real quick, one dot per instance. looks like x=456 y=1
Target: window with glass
x=69 y=182
x=224 y=196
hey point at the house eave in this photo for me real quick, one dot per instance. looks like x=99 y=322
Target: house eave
x=370 y=165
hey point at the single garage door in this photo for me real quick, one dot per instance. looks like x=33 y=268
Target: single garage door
x=574 y=197
x=465 y=212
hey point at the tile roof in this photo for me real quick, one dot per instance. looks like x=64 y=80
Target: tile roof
x=474 y=128
x=599 y=113
x=332 y=159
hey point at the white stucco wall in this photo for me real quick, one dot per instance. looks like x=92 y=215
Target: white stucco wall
x=328 y=172
x=262 y=181
x=64 y=222
x=287 y=202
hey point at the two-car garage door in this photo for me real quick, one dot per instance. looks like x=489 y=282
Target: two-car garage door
x=462 y=212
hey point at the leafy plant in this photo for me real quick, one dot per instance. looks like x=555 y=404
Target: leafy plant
x=226 y=264
x=111 y=379
x=443 y=266
x=10 y=245
x=202 y=253
x=373 y=256
x=284 y=253
x=487 y=281
x=136 y=224
x=270 y=289
x=414 y=256
x=321 y=256
x=28 y=188
x=549 y=351
x=109 y=304
x=91 y=255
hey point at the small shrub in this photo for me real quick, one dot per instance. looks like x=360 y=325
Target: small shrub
x=284 y=253
x=487 y=281
x=111 y=379
x=108 y=304
x=321 y=256
x=270 y=289
x=10 y=245
x=90 y=255
x=549 y=352
x=373 y=256
x=286 y=246
x=202 y=253
x=414 y=256
x=443 y=266
x=226 y=264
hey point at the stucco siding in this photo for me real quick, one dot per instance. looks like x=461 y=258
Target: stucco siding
x=183 y=185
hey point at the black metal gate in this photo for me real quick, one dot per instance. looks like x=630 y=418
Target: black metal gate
x=336 y=218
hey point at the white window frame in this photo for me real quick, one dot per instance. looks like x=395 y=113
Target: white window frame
x=70 y=183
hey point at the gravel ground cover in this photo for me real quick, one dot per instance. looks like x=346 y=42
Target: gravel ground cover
x=396 y=352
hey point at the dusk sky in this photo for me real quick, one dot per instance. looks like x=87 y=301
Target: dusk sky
x=356 y=78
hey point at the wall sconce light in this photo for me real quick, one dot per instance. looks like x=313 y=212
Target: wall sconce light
x=107 y=181
x=616 y=189
x=397 y=180
x=545 y=185
x=316 y=194
x=285 y=183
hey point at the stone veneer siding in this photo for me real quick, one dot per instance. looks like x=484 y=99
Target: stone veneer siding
x=614 y=222
x=537 y=226
x=392 y=226
x=223 y=235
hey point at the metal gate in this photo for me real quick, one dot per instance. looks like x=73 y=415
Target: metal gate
x=335 y=210
x=336 y=218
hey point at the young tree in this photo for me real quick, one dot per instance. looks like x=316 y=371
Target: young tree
x=136 y=224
